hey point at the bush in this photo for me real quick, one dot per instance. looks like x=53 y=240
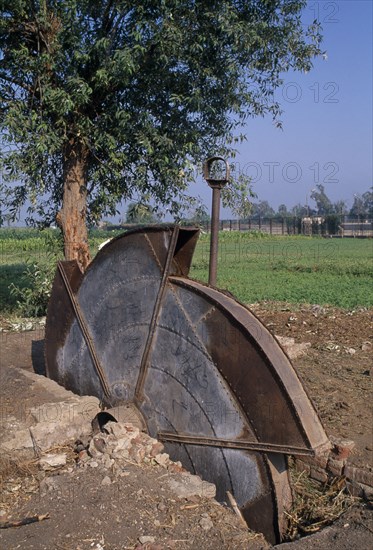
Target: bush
x=34 y=292
x=33 y=298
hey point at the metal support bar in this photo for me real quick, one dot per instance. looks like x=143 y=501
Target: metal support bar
x=144 y=367
x=86 y=335
x=214 y=235
x=216 y=182
x=234 y=444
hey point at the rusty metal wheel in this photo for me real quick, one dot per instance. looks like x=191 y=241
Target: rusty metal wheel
x=206 y=375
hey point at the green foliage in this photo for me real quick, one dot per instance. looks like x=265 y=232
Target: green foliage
x=9 y=272
x=363 y=205
x=33 y=293
x=331 y=224
x=196 y=215
x=33 y=290
x=237 y=196
x=324 y=205
x=302 y=211
x=138 y=212
x=282 y=211
x=147 y=89
x=262 y=209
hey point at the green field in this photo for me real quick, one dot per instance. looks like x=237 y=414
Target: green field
x=251 y=266
x=292 y=269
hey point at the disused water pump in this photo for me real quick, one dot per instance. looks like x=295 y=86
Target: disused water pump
x=206 y=375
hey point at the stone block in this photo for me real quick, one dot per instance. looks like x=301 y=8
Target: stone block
x=359 y=475
x=318 y=474
x=335 y=467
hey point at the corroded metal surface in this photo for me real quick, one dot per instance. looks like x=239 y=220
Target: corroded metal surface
x=216 y=183
x=205 y=374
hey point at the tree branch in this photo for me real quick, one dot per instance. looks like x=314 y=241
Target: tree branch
x=16 y=82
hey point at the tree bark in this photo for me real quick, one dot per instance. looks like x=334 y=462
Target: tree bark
x=72 y=217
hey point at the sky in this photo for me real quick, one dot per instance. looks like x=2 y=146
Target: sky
x=327 y=119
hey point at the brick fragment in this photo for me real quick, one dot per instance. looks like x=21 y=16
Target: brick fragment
x=319 y=461
x=342 y=448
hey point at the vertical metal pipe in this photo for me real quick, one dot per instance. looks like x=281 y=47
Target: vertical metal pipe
x=214 y=235
x=216 y=182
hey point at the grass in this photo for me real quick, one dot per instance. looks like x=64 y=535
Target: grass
x=335 y=272
x=252 y=266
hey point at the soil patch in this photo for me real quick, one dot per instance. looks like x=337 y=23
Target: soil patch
x=336 y=368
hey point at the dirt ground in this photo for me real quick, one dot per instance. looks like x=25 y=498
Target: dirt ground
x=337 y=369
x=84 y=513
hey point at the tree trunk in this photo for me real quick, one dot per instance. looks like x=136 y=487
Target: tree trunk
x=72 y=216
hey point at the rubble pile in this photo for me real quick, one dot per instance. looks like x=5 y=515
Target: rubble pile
x=121 y=443
x=118 y=443
x=117 y=486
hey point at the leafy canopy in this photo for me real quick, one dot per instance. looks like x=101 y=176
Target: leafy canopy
x=150 y=87
x=140 y=213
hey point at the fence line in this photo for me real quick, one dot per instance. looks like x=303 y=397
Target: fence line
x=332 y=226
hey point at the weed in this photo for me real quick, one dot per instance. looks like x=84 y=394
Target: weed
x=33 y=291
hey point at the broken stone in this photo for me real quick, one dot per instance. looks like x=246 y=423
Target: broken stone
x=122 y=454
x=176 y=467
x=79 y=446
x=122 y=430
x=293 y=349
x=146 y=539
x=84 y=456
x=116 y=429
x=107 y=462
x=122 y=444
x=335 y=467
x=366 y=346
x=50 y=461
x=162 y=459
x=128 y=413
x=65 y=419
x=93 y=449
x=137 y=454
x=47 y=485
x=206 y=523
x=189 y=485
x=106 y=481
x=156 y=448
